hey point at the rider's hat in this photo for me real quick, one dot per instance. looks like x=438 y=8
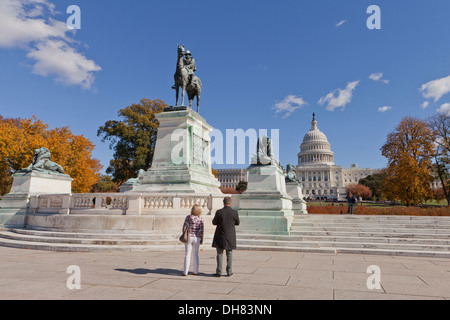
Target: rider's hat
x=188 y=53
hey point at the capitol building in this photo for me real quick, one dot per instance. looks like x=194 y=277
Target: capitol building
x=319 y=176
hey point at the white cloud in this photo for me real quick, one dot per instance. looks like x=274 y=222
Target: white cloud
x=59 y=59
x=436 y=88
x=340 y=97
x=289 y=105
x=27 y=24
x=377 y=77
x=445 y=108
x=384 y=109
x=425 y=104
x=340 y=23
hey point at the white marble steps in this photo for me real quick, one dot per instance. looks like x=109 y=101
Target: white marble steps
x=86 y=242
x=391 y=235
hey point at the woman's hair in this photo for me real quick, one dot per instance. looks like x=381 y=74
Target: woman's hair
x=196 y=210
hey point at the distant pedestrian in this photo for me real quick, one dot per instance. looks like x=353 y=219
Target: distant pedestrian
x=225 y=235
x=196 y=229
x=351 y=200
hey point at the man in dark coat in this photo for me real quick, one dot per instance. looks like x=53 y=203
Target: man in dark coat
x=225 y=236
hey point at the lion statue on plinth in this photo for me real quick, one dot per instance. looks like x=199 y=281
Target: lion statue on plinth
x=42 y=163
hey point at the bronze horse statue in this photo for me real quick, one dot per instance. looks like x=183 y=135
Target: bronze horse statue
x=181 y=77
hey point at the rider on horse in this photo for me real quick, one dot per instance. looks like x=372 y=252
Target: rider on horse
x=189 y=65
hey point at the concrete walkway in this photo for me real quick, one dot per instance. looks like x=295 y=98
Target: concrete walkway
x=27 y=274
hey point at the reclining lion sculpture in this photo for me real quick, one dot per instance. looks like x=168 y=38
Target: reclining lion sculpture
x=42 y=163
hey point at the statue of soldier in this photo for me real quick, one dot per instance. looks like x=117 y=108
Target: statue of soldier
x=189 y=65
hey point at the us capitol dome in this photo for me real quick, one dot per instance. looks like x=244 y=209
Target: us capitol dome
x=315 y=148
x=319 y=176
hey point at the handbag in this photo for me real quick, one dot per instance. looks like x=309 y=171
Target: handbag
x=185 y=236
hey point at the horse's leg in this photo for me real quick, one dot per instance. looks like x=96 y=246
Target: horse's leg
x=198 y=103
x=177 y=93
x=183 y=90
x=190 y=97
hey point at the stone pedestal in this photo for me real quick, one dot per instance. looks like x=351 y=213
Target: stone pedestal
x=294 y=190
x=265 y=207
x=182 y=158
x=14 y=206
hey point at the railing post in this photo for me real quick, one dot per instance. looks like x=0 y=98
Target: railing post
x=135 y=205
x=216 y=204
x=98 y=202
x=176 y=202
x=34 y=204
x=65 y=209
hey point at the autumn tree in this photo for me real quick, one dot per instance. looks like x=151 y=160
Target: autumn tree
x=133 y=139
x=360 y=190
x=20 y=137
x=409 y=150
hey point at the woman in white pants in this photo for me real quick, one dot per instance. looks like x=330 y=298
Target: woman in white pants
x=195 y=238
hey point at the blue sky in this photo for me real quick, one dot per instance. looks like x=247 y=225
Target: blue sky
x=254 y=58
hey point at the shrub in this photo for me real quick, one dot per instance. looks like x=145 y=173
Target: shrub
x=395 y=210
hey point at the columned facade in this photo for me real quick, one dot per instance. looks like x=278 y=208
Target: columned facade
x=230 y=178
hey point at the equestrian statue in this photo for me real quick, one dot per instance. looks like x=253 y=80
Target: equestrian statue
x=186 y=79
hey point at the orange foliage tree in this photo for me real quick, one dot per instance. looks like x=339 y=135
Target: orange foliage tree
x=409 y=150
x=20 y=137
x=360 y=190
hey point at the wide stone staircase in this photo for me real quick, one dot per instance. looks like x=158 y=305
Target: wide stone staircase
x=88 y=242
x=386 y=235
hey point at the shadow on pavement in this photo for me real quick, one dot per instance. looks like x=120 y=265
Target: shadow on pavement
x=163 y=271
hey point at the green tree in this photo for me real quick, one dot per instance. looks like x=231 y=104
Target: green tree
x=242 y=186
x=133 y=139
x=440 y=124
x=105 y=184
x=375 y=183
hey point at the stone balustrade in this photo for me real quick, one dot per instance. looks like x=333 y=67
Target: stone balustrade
x=124 y=204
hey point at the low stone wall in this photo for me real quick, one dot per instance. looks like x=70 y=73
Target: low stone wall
x=124 y=203
x=116 y=212
x=96 y=223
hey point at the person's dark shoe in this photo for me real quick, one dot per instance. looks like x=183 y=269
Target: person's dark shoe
x=216 y=275
x=230 y=274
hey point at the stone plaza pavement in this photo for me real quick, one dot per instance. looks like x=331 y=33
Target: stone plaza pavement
x=267 y=275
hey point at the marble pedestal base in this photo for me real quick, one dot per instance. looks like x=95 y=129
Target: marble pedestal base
x=298 y=204
x=266 y=207
x=15 y=205
x=182 y=158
